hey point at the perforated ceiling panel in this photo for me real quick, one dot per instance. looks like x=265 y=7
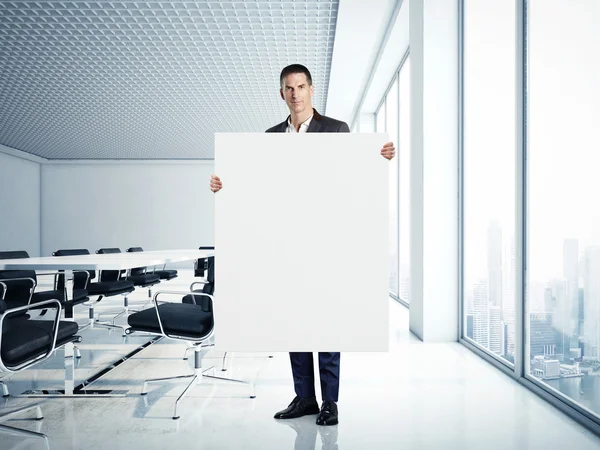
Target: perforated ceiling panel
x=153 y=79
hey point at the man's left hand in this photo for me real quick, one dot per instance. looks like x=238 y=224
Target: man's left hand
x=388 y=151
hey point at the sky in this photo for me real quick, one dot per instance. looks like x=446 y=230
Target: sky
x=563 y=132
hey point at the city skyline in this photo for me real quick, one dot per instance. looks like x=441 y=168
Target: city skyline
x=563 y=312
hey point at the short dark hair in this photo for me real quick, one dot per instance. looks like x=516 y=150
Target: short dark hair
x=294 y=68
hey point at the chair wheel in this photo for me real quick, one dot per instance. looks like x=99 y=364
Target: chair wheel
x=39 y=418
x=144 y=393
x=177 y=417
x=253 y=396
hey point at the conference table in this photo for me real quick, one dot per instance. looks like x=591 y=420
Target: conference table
x=97 y=262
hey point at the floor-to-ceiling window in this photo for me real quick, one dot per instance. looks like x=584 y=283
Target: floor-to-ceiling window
x=391 y=127
x=403 y=160
x=562 y=318
x=489 y=176
x=381 y=126
x=393 y=117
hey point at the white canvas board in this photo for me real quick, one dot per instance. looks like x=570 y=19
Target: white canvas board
x=301 y=242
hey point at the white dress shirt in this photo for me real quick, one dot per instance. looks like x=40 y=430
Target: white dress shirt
x=303 y=126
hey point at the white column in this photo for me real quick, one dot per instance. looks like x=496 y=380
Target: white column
x=434 y=169
x=366 y=122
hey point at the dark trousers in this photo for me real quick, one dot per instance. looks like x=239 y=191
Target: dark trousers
x=304 y=374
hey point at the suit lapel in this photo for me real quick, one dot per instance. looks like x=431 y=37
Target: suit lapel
x=315 y=123
x=282 y=127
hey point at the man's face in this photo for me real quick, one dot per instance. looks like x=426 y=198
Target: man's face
x=297 y=93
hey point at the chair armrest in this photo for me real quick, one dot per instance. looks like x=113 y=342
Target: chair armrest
x=197 y=282
x=52 y=345
x=155 y=300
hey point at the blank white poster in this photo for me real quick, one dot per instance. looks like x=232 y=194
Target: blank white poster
x=301 y=242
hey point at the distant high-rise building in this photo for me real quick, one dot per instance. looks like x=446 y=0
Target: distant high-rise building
x=495 y=329
x=470 y=326
x=542 y=337
x=494 y=257
x=560 y=316
x=504 y=340
x=581 y=311
x=591 y=304
x=571 y=276
x=535 y=293
x=508 y=295
x=481 y=322
x=469 y=302
x=549 y=300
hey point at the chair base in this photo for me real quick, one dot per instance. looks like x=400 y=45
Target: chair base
x=196 y=378
x=5 y=392
x=109 y=325
x=125 y=311
x=223 y=367
x=18 y=431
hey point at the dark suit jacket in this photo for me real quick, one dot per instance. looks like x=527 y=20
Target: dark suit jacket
x=318 y=124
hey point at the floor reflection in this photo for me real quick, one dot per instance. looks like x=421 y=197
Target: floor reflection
x=306 y=433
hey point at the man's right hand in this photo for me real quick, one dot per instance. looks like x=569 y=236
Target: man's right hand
x=215 y=183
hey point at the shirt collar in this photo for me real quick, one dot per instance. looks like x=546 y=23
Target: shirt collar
x=303 y=126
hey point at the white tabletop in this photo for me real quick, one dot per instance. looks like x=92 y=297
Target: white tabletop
x=173 y=256
x=109 y=261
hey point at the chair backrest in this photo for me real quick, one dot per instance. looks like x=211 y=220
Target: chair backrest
x=137 y=270
x=208 y=288
x=202 y=300
x=79 y=279
x=210 y=276
x=109 y=275
x=16 y=291
x=201 y=264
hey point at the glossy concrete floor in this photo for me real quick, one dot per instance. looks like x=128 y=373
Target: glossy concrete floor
x=417 y=396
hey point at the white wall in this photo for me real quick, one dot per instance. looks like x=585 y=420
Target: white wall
x=19 y=204
x=154 y=205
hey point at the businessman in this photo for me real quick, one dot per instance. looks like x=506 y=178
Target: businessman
x=297 y=90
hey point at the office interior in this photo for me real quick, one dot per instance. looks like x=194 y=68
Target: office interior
x=108 y=111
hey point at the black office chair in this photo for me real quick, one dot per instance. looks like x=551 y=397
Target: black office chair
x=25 y=342
x=195 y=297
x=99 y=289
x=164 y=274
x=22 y=285
x=201 y=264
x=183 y=322
x=138 y=276
x=198 y=296
x=208 y=287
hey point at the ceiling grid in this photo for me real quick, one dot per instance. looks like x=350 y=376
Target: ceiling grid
x=152 y=79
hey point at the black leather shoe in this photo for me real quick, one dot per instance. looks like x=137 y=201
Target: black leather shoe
x=328 y=414
x=298 y=408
